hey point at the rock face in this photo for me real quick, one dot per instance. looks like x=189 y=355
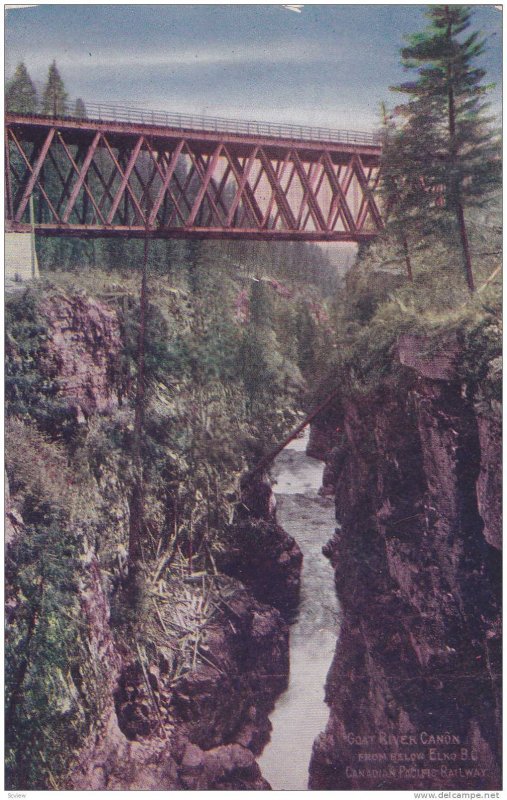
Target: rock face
x=209 y=724
x=204 y=729
x=262 y=555
x=154 y=730
x=227 y=700
x=489 y=480
x=324 y=434
x=84 y=344
x=414 y=688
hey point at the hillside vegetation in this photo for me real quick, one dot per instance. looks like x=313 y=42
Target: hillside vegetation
x=232 y=340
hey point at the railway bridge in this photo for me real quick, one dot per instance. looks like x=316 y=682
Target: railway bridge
x=127 y=172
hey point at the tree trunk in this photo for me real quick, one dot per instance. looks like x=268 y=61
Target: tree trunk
x=136 y=504
x=408 y=260
x=467 y=261
x=453 y=153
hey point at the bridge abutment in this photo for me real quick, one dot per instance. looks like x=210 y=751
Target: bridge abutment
x=20 y=257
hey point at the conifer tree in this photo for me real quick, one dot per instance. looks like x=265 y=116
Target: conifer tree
x=80 y=109
x=54 y=97
x=447 y=147
x=400 y=215
x=21 y=95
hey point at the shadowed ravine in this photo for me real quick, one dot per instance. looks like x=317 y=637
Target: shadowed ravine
x=300 y=713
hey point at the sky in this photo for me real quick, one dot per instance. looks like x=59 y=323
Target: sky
x=329 y=65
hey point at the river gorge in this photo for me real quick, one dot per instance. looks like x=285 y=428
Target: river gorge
x=348 y=638
x=300 y=712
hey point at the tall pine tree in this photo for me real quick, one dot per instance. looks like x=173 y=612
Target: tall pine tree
x=400 y=215
x=54 y=97
x=446 y=144
x=80 y=109
x=21 y=95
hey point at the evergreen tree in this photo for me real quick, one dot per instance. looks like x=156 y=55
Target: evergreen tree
x=446 y=147
x=259 y=357
x=21 y=95
x=80 y=109
x=306 y=339
x=260 y=305
x=54 y=97
x=393 y=183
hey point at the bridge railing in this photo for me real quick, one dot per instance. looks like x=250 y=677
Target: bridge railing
x=112 y=112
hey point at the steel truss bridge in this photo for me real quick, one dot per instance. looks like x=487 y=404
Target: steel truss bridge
x=127 y=172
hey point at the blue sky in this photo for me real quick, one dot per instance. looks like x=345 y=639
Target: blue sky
x=330 y=65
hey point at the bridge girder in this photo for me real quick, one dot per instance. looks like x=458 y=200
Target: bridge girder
x=93 y=179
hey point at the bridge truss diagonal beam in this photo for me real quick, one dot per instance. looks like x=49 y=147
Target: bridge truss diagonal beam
x=92 y=178
x=33 y=169
x=164 y=188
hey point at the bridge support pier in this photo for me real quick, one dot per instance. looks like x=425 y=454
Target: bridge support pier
x=20 y=257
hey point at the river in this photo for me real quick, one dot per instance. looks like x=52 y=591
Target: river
x=300 y=713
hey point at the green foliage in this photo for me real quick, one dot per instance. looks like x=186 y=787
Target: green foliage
x=54 y=254
x=481 y=360
x=43 y=718
x=54 y=96
x=80 y=109
x=20 y=94
x=38 y=473
x=379 y=306
x=448 y=98
x=160 y=361
x=53 y=687
x=31 y=388
x=220 y=391
x=440 y=155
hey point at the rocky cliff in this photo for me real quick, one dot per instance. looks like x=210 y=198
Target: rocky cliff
x=414 y=688
x=201 y=731
x=179 y=696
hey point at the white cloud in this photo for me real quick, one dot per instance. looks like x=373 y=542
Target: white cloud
x=271 y=52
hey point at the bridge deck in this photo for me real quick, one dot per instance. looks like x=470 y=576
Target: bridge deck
x=119 y=131
x=114 y=112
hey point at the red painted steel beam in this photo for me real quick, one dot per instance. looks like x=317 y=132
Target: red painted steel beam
x=340 y=197
x=124 y=182
x=81 y=175
x=165 y=181
x=204 y=188
x=318 y=217
x=138 y=159
x=241 y=180
x=316 y=189
x=281 y=199
x=8 y=181
x=367 y=192
x=205 y=140
x=125 y=179
x=242 y=177
x=363 y=210
x=218 y=190
x=139 y=231
x=35 y=170
x=280 y=173
x=65 y=181
x=33 y=180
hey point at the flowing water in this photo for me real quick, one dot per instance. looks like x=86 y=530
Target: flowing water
x=300 y=713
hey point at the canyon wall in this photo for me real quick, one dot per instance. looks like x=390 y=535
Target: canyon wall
x=143 y=724
x=414 y=688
